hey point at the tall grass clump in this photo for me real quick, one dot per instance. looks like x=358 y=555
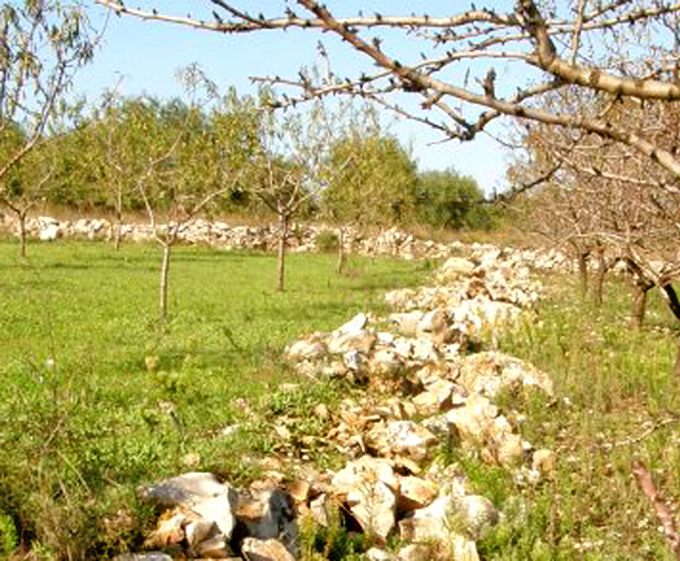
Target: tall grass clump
x=616 y=401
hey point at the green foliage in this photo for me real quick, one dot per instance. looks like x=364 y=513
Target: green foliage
x=8 y=535
x=327 y=241
x=448 y=200
x=43 y=46
x=373 y=181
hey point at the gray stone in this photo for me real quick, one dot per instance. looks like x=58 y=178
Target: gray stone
x=200 y=492
x=270 y=514
x=255 y=549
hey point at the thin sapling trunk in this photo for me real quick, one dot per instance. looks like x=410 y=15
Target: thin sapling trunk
x=164 y=280
x=283 y=236
x=340 y=268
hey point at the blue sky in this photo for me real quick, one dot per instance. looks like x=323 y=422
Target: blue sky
x=146 y=56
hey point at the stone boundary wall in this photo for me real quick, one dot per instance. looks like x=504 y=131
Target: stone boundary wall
x=303 y=238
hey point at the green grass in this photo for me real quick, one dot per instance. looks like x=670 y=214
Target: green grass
x=618 y=382
x=78 y=434
x=83 y=420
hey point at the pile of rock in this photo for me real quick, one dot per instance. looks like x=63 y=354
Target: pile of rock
x=431 y=396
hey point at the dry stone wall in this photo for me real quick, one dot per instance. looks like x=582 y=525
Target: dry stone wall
x=303 y=238
x=424 y=389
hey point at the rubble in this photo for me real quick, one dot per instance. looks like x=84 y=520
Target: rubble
x=430 y=391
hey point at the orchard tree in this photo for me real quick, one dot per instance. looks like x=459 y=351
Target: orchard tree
x=616 y=205
x=27 y=182
x=190 y=159
x=289 y=168
x=373 y=183
x=113 y=152
x=42 y=45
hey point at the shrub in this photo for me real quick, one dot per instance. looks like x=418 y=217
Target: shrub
x=327 y=242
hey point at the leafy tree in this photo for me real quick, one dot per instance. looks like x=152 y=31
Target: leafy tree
x=26 y=182
x=288 y=169
x=447 y=199
x=42 y=45
x=372 y=183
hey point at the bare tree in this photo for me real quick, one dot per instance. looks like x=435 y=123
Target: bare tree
x=290 y=169
x=468 y=68
x=179 y=174
x=618 y=207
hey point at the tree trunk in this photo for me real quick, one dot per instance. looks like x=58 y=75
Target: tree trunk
x=582 y=262
x=671 y=298
x=118 y=234
x=283 y=236
x=598 y=280
x=22 y=233
x=639 y=304
x=165 y=276
x=340 y=268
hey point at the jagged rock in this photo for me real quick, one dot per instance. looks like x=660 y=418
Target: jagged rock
x=169 y=530
x=299 y=490
x=424 y=350
x=307 y=349
x=386 y=362
x=200 y=492
x=369 y=486
x=407 y=322
x=356 y=324
x=454 y=522
x=479 y=425
x=269 y=514
x=437 y=397
x=473 y=419
x=360 y=341
x=437 y=326
x=255 y=549
x=415 y=492
x=490 y=372
x=402 y=438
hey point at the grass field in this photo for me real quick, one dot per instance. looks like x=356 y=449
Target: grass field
x=617 y=402
x=96 y=397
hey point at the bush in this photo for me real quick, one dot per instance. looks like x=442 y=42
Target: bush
x=446 y=199
x=327 y=242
